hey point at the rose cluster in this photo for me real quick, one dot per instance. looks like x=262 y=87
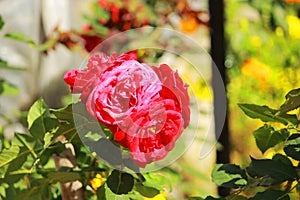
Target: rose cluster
x=145 y=107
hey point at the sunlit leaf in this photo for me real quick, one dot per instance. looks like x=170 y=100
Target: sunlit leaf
x=20 y=37
x=66 y=129
x=146 y=191
x=39 y=119
x=157 y=180
x=38 y=109
x=292 y=101
x=93 y=136
x=64 y=114
x=274 y=168
x=24 y=140
x=7 y=88
x=110 y=195
x=17 y=164
x=267 y=137
x=229 y=175
x=267 y=114
x=8 y=155
x=292 y=146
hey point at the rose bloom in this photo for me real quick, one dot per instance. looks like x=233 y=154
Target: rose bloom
x=145 y=107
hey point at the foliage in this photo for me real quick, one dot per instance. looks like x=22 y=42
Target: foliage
x=28 y=163
x=6 y=87
x=262 y=58
x=29 y=159
x=277 y=177
x=28 y=167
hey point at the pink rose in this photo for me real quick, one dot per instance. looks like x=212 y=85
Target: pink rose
x=146 y=108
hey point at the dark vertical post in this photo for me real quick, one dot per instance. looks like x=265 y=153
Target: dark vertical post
x=216 y=11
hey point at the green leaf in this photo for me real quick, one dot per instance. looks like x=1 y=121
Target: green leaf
x=42 y=125
x=26 y=145
x=98 y=28
x=7 y=88
x=47 y=153
x=39 y=120
x=5 y=65
x=101 y=193
x=195 y=198
x=1 y=22
x=267 y=137
x=84 y=122
x=157 y=180
x=27 y=141
x=18 y=163
x=66 y=129
x=292 y=101
x=62 y=177
x=39 y=108
x=267 y=114
x=3 y=187
x=292 y=146
x=282 y=158
x=20 y=37
x=275 y=168
x=271 y=194
x=258 y=112
x=120 y=182
x=8 y=155
x=110 y=195
x=229 y=175
x=64 y=114
x=146 y=191
x=93 y=136
x=36 y=192
x=298 y=189
x=100 y=13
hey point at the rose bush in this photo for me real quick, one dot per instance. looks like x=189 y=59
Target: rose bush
x=145 y=107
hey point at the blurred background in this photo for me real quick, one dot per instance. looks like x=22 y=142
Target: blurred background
x=262 y=54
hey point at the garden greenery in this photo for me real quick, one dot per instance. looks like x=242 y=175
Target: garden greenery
x=267 y=178
x=29 y=170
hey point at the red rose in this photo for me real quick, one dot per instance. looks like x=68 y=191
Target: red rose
x=145 y=107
